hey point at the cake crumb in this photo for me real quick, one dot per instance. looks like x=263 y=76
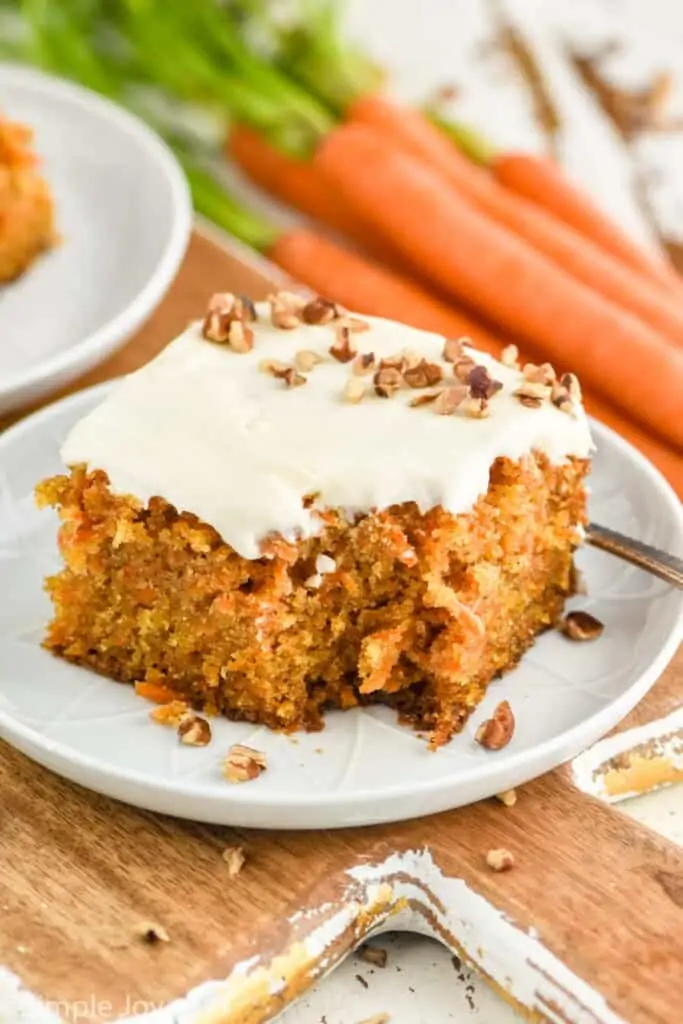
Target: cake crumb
x=153 y=933
x=375 y=955
x=170 y=714
x=581 y=626
x=377 y=1018
x=234 y=857
x=243 y=764
x=500 y=860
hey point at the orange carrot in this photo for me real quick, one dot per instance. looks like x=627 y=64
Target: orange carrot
x=543 y=182
x=667 y=460
x=297 y=183
x=579 y=256
x=345 y=277
x=487 y=266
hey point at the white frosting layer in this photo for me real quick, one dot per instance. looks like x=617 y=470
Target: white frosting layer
x=204 y=428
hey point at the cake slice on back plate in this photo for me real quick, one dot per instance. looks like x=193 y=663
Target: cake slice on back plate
x=293 y=508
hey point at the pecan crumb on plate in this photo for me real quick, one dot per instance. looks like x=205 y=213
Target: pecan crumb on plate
x=153 y=933
x=242 y=764
x=496 y=732
x=580 y=625
x=375 y=955
x=500 y=860
x=194 y=731
x=234 y=857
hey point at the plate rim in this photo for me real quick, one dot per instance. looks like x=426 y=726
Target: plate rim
x=361 y=798
x=98 y=344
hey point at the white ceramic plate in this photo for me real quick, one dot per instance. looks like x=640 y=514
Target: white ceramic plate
x=124 y=215
x=363 y=768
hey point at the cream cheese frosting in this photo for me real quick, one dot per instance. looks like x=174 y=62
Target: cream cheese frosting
x=208 y=430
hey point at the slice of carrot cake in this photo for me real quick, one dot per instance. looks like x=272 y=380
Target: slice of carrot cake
x=293 y=508
x=26 y=211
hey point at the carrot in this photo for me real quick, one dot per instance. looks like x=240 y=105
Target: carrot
x=331 y=270
x=667 y=460
x=297 y=183
x=366 y=287
x=543 y=182
x=579 y=256
x=486 y=266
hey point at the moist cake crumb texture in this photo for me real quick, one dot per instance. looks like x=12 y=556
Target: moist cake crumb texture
x=267 y=547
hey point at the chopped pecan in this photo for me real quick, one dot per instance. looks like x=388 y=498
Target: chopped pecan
x=243 y=764
x=423 y=374
x=398 y=362
x=543 y=374
x=364 y=363
x=571 y=382
x=291 y=378
x=285 y=310
x=452 y=350
x=240 y=337
x=246 y=310
x=153 y=933
x=463 y=367
x=425 y=398
x=482 y=384
x=354 y=390
x=496 y=732
x=375 y=955
x=387 y=381
x=226 y=321
x=343 y=348
x=320 y=311
x=532 y=393
x=510 y=357
x=508 y=797
x=475 y=408
x=450 y=399
x=580 y=625
x=354 y=323
x=500 y=860
x=194 y=731
x=282 y=371
x=566 y=393
x=234 y=857
x=305 y=360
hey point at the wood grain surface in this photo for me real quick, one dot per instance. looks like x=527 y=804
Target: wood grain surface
x=82 y=874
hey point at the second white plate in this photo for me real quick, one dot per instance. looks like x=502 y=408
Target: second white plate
x=363 y=768
x=124 y=215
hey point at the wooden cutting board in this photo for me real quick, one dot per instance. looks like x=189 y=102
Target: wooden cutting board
x=587 y=928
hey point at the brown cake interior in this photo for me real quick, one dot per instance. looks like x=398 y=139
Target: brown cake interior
x=419 y=611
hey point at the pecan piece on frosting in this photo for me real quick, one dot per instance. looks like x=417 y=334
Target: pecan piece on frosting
x=387 y=381
x=343 y=349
